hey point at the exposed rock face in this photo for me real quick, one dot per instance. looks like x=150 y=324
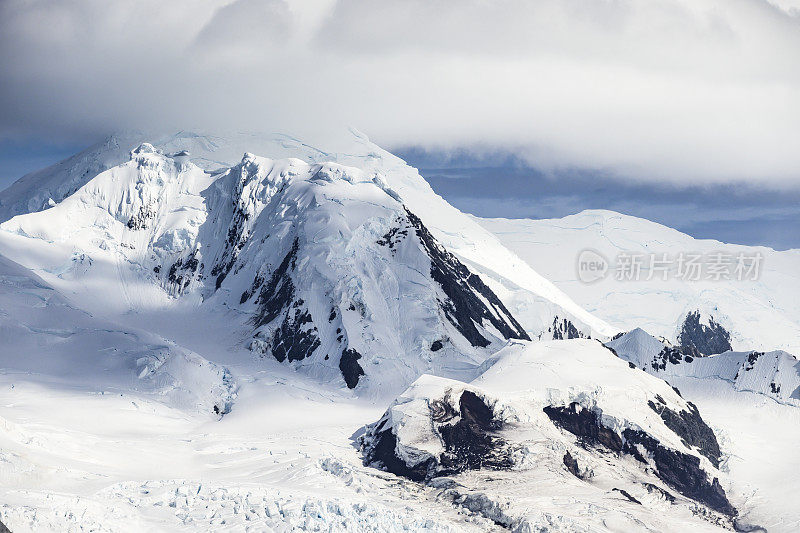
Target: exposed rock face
x=183 y=271
x=466 y=431
x=351 y=370
x=565 y=329
x=775 y=374
x=669 y=355
x=751 y=361
x=287 y=330
x=627 y=495
x=141 y=219
x=278 y=294
x=690 y=426
x=584 y=424
x=469 y=443
x=464 y=290
x=698 y=339
x=572 y=465
x=295 y=337
x=679 y=470
x=382 y=452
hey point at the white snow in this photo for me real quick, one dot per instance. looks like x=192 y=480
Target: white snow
x=530 y=297
x=135 y=225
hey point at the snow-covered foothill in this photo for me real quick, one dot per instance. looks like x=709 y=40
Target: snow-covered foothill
x=751 y=401
x=775 y=374
x=558 y=412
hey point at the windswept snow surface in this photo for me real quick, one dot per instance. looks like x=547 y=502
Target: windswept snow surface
x=761 y=314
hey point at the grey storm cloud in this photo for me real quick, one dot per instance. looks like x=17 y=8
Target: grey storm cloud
x=684 y=91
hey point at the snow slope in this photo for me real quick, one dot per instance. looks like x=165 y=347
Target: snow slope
x=181 y=330
x=76 y=460
x=43 y=335
x=529 y=296
x=760 y=315
x=105 y=427
x=284 y=457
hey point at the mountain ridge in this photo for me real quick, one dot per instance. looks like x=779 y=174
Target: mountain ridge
x=336 y=276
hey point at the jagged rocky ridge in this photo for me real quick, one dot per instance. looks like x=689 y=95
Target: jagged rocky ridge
x=775 y=374
x=329 y=268
x=697 y=339
x=466 y=428
x=564 y=329
x=442 y=427
x=677 y=469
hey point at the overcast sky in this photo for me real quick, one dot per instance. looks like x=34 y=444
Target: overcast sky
x=499 y=184
x=651 y=89
x=685 y=92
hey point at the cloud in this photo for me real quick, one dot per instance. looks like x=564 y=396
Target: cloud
x=685 y=91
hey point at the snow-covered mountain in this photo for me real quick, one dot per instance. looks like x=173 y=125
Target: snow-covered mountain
x=532 y=299
x=323 y=264
x=752 y=401
x=775 y=374
x=569 y=418
x=758 y=314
